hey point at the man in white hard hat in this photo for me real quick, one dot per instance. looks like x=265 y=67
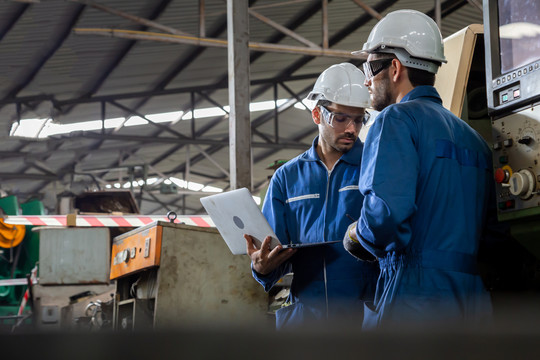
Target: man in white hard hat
x=311 y=199
x=426 y=178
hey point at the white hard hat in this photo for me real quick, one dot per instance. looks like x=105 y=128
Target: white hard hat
x=412 y=36
x=342 y=84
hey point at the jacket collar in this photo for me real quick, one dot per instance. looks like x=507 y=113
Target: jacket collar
x=423 y=91
x=352 y=156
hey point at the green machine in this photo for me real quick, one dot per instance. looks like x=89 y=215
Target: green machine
x=18 y=255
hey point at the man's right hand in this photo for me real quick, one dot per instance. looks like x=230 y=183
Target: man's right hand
x=265 y=260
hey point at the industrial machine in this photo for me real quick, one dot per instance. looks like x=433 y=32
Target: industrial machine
x=492 y=82
x=70 y=286
x=513 y=90
x=172 y=275
x=512 y=48
x=73 y=267
x=19 y=252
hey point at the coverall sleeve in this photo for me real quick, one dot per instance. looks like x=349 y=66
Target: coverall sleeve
x=388 y=179
x=274 y=211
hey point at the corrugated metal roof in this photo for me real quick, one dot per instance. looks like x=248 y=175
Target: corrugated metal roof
x=52 y=72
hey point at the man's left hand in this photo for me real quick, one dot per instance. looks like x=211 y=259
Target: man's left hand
x=353 y=246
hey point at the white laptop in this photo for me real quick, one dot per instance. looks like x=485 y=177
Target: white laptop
x=235 y=213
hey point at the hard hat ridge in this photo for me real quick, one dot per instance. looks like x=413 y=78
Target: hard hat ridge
x=412 y=36
x=341 y=84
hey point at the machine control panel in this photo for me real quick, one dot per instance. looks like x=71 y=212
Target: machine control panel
x=136 y=250
x=516 y=160
x=514 y=88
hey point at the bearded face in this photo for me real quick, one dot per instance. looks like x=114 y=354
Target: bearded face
x=381 y=95
x=379 y=85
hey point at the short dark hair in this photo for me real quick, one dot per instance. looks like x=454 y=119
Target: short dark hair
x=417 y=77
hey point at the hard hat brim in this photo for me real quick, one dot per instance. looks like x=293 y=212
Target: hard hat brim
x=360 y=52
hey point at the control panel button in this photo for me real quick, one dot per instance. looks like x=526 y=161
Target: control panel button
x=501 y=176
x=508 y=142
x=522 y=183
x=497 y=146
x=503 y=159
x=507 y=204
x=123 y=256
x=147 y=247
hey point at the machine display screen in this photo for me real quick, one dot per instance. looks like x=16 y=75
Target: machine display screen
x=519 y=33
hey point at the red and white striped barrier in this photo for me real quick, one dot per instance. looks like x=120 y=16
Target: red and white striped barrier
x=106 y=220
x=33 y=280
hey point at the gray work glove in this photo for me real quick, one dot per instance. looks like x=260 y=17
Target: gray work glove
x=354 y=247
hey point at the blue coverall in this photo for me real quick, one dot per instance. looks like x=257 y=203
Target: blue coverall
x=306 y=203
x=427 y=181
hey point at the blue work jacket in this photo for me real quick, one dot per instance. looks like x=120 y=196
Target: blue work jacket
x=427 y=181
x=306 y=203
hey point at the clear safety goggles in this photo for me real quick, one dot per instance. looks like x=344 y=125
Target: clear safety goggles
x=372 y=68
x=341 y=121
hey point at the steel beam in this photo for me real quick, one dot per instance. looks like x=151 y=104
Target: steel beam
x=134 y=112
x=239 y=96
x=182 y=141
x=324 y=23
x=437 y=8
x=202 y=26
x=283 y=29
x=152 y=93
x=368 y=9
x=191 y=40
x=25 y=176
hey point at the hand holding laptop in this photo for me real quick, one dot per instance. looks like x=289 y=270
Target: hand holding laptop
x=264 y=259
x=235 y=213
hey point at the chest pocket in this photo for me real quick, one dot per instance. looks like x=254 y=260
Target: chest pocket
x=465 y=157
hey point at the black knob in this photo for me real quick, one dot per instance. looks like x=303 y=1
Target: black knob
x=526 y=140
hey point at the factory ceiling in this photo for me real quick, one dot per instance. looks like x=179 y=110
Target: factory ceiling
x=100 y=95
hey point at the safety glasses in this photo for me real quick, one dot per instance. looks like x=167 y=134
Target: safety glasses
x=340 y=121
x=372 y=68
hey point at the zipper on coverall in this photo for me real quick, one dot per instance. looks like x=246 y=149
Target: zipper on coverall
x=329 y=173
